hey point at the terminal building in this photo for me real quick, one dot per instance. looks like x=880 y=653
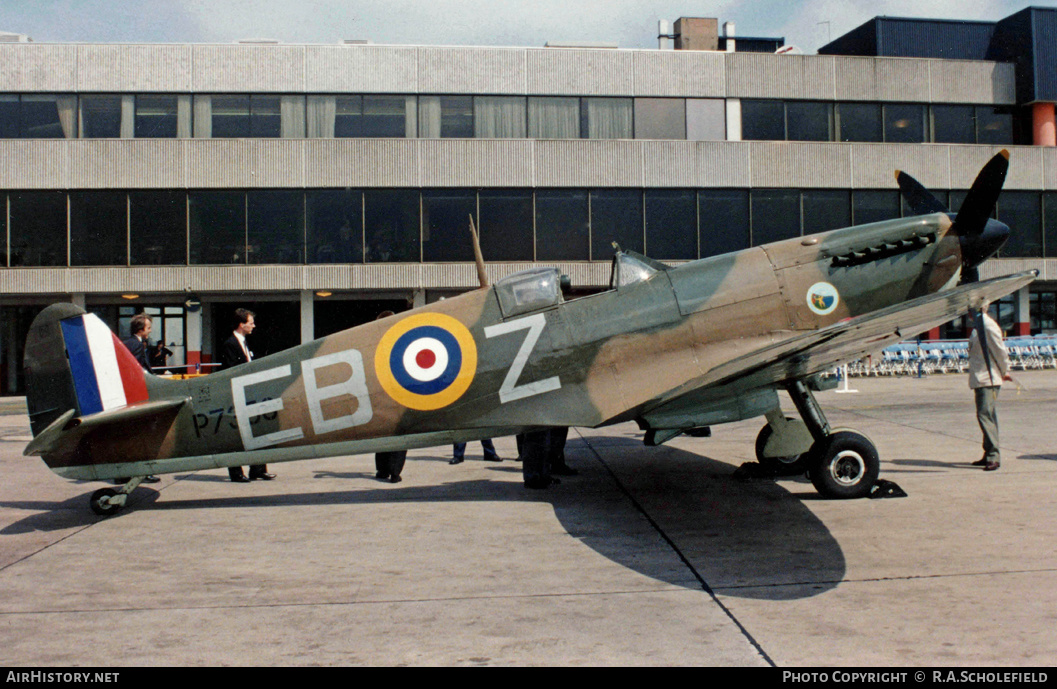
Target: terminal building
x=319 y=185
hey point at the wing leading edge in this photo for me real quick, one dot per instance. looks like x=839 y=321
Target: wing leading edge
x=814 y=352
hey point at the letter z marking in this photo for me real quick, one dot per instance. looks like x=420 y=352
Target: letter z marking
x=510 y=390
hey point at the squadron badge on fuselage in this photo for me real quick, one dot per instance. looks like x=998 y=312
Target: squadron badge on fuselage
x=426 y=361
x=822 y=298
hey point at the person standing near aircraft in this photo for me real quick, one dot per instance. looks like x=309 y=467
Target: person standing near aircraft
x=233 y=353
x=988 y=367
x=388 y=465
x=137 y=342
x=490 y=455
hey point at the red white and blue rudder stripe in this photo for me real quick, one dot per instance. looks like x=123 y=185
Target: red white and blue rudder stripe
x=105 y=374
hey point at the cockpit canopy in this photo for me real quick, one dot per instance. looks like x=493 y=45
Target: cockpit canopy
x=529 y=290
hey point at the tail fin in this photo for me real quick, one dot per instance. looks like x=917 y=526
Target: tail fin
x=74 y=361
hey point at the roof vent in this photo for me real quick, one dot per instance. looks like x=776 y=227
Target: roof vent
x=6 y=37
x=258 y=41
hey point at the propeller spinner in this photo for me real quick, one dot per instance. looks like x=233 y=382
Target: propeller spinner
x=980 y=235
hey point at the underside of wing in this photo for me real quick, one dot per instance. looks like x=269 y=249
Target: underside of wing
x=806 y=354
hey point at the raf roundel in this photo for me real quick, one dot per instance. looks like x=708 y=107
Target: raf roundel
x=426 y=361
x=822 y=298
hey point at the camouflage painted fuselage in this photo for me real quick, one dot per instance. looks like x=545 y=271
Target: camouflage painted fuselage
x=657 y=349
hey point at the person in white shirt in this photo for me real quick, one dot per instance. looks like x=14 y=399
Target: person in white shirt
x=234 y=352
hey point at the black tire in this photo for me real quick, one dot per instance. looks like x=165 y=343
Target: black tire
x=782 y=466
x=847 y=467
x=100 y=506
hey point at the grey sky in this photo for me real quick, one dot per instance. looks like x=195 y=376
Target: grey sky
x=629 y=23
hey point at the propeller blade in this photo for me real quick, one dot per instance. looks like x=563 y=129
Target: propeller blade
x=918 y=198
x=980 y=202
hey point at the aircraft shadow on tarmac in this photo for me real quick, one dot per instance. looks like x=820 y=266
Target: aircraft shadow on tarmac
x=677 y=517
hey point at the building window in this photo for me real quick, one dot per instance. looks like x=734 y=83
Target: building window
x=553 y=118
x=762 y=120
x=500 y=117
x=874 y=206
x=825 y=210
x=904 y=123
x=1021 y=211
x=671 y=223
x=230 y=116
x=775 y=215
x=706 y=119
x=446 y=225
x=10 y=110
x=361 y=117
x=607 y=118
x=994 y=125
x=37 y=228
x=445 y=117
x=391 y=226
x=217 y=221
x=157 y=117
x=265 y=117
x=616 y=216
x=506 y=224
x=1043 y=309
x=860 y=122
x=809 y=121
x=157 y=228
x=335 y=226
x=660 y=118
x=953 y=124
x=101 y=117
x=98 y=228
x=275 y=226
x=724 y=224
x=562 y=225
x=48 y=117
x=1049 y=222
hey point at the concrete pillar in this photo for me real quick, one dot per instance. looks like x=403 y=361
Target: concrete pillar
x=1044 y=124
x=1022 y=312
x=77 y=299
x=308 y=316
x=733 y=119
x=193 y=338
x=418 y=298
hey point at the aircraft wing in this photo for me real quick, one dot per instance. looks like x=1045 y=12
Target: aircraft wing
x=821 y=350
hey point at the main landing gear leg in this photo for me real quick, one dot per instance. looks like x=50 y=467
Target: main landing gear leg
x=842 y=463
x=108 y=501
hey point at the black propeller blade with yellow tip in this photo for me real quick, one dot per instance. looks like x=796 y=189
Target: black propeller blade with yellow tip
x=979 y=234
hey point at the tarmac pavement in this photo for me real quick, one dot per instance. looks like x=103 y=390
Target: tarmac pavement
x=651 y=556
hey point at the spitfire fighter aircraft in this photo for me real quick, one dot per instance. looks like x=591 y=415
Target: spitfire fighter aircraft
x=675 y=349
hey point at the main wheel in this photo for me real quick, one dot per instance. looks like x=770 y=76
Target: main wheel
x=100 y=502
x=786 y=466
x=847 y=466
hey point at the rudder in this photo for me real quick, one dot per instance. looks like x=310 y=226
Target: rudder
x=74 y=361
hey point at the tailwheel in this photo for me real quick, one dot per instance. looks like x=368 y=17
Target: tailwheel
x=847 y=465
x=109 y=501
x=105 y=501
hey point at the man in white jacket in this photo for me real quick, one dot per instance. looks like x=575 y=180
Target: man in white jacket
x=988 y=367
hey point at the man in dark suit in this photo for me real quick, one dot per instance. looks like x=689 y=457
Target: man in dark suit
x=137 y=342
x=232 y=353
